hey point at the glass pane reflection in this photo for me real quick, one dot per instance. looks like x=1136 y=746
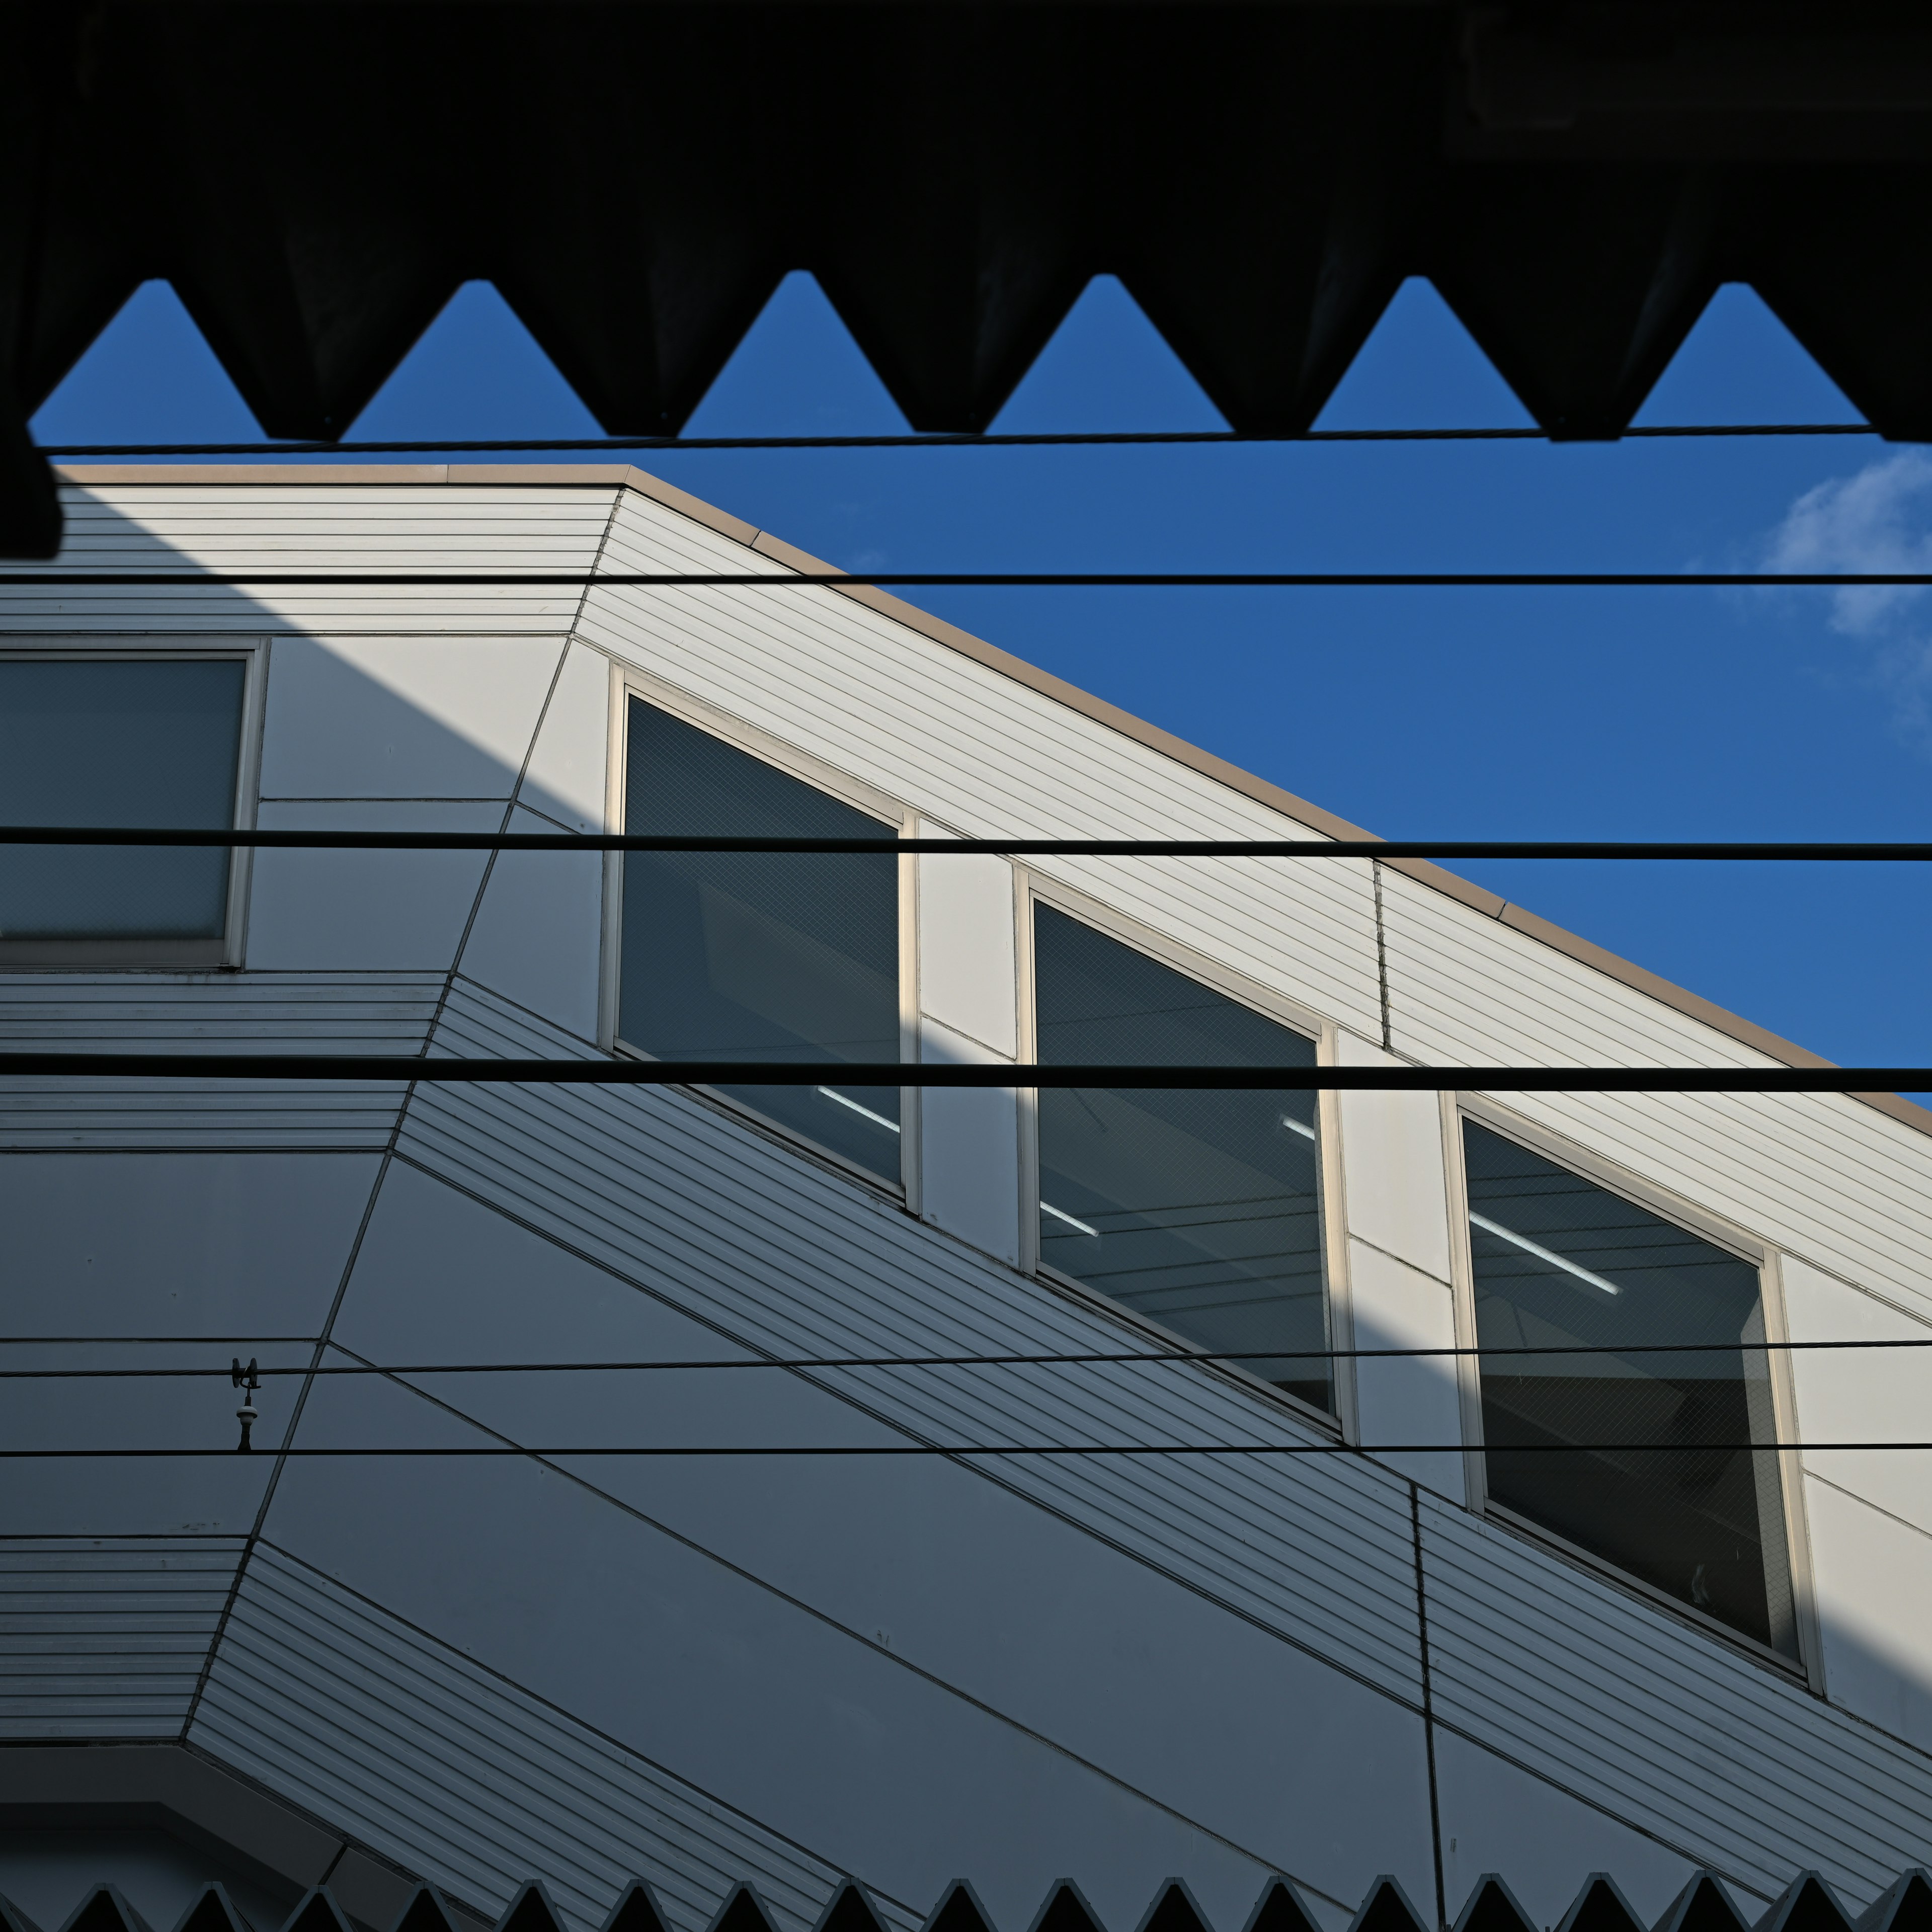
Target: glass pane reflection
x=759 y=955
x=1197 y=1209
x=117 y=742
x=1672 y=1499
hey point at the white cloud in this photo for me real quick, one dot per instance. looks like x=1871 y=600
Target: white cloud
x=1879 y=519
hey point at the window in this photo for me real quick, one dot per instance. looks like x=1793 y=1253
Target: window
x=759 y=956
x=117 y=741
x=1665 y=1488
x=1200 y=1210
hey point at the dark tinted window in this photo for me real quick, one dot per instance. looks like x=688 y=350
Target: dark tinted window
x=790 y=956
x=110 y=742
x=1667 y=1488
x=1198 y=1209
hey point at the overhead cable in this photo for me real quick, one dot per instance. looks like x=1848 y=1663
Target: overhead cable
x=256 y=838
x=1323 y=1446
x=991 y=439
x=1100 y=1357
x=600 y=1072
x=1033 y=580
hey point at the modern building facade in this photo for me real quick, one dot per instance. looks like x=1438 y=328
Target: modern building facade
x=1566 y=1601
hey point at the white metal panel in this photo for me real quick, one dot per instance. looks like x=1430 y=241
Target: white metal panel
x=1860 y=1395
x=119 y=1244
x=739 y=1231
x=969 y=1151
x=1411 y=1399
x=988 y=756
x=1496 y=1818
x=321 y=910
x=565 y=777
x=1724 y=1758
x=536 y=938
x=967 y=974
x=1873 y=1576
x=296 y=1012
x=412 y=718
x=102 y=1637
x=211 y=530
x=952 y=1575
x=1394 y=1178
x=455 y=1772
x=1822 y=1176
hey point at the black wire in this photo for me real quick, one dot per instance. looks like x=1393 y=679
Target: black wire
x=1131 y=580
x=1398 y=1079
x=305 y=840
x=942 y=440
x=1324 y=1447
x=1287 y=1352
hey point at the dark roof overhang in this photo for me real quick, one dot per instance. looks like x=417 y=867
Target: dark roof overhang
x=315 y=177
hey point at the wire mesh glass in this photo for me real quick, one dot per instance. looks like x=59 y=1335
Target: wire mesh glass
x=121 y=743
x=1198 y=1209
x=759 y=955
x=1642 y=1459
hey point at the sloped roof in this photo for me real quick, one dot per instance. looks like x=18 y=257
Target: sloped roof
x=1576 y=178
x=574 y=475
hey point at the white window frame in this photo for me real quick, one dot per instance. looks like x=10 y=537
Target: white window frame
x=229 y=953
x=1031 y=889
x=898 y=820
x=1761 y=1254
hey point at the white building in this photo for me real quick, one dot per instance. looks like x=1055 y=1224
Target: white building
x=474 y=1670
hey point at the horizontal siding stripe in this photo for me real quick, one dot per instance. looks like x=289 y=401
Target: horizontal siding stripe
x=465 y=1778
x=105 y=1637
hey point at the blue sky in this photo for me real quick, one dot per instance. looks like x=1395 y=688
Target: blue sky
x=1590 y=714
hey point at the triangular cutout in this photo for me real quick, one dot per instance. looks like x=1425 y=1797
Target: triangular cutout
x=317 y=1912
x=798 y=372
x=1421 y=369
x=958 y=1910
x=426 y=1912
x=742 y=1911
x=1805 y=1905
x=148 y=377
x=1387 y=1909
x=1740 y=364
x=1492 y=1907
x=636 y=1910
x=1601 y=1907
x=1174 y=1909
x=1066 y=1910
x=1107 y=368
x=476 y=371
x=1280 y=1909
x=211 y=1910
x=1702 y=1906
x=1904 y=1905
x=849 y=1909
x=12 y=1919
x=104 y=1910
x=530 y=1911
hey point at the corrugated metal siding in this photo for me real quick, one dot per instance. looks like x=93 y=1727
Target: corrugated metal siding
x=1822 y=1175
x=296 y=1012
x=105 y=1636
x=225 y=530
x=328 y=1699
x=729 y=1225
x=1659 y=1723
x=987 y=757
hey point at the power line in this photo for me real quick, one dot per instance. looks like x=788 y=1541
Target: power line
x=1035 y=579
x=255 y=838
x=1402 y=1079
x=1288 y=1351
x=1323 y=1447
x=1111 y=438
